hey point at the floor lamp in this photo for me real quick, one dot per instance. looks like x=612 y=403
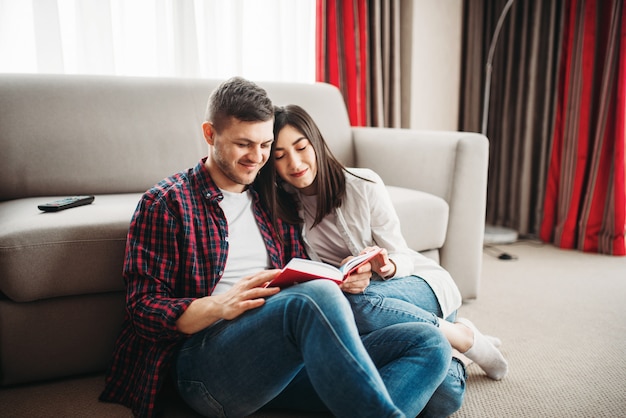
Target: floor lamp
x=495 y=234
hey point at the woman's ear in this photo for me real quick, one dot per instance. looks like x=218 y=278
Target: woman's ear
x=209 y=132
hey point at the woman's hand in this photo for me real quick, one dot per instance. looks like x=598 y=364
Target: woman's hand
x=381 y=264
x=358 y=281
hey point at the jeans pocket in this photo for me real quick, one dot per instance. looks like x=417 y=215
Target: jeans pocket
x=199 y=399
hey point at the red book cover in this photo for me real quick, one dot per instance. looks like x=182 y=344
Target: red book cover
x=300 y=270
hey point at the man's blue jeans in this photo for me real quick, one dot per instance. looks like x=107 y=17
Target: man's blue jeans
x=410 y=299
x=305 y=337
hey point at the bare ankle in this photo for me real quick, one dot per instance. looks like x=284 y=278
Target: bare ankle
x=466 y=337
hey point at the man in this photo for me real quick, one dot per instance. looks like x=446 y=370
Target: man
x=200 y=248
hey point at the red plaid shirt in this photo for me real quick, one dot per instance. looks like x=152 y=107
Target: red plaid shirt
x=176 y=252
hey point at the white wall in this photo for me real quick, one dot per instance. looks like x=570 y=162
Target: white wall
x=431 y=63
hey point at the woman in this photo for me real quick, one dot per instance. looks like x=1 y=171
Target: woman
x=345 y=212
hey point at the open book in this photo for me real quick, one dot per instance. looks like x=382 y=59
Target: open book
x=300 y=270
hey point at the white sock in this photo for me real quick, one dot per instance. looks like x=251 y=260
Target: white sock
x=497 y=342
x=485 y=354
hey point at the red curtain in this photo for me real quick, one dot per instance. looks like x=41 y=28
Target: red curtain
x=342 y=51
x=585 y=201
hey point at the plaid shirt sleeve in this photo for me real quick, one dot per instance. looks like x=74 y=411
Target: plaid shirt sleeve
x=151 y=270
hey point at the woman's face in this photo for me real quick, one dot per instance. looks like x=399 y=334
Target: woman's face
x=295 y=160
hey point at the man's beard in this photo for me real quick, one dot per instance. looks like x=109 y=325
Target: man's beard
x=230 y=171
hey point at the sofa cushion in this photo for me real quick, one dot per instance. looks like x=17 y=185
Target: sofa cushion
x=423 y=217
x=71 y=252
x=58 y=337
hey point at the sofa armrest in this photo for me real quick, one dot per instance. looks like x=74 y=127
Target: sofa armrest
x=451 y=165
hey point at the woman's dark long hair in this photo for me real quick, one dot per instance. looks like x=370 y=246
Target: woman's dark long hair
x=330 y=179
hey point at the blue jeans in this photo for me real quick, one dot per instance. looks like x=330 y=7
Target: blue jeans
x=303 y=343
x=410 y=299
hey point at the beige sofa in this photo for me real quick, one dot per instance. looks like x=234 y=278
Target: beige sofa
x=61 y=290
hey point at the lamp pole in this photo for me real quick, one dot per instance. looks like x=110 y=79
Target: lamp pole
x=488 y=66
x=495 y=234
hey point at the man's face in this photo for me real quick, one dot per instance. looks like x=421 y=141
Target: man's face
x=238 y=152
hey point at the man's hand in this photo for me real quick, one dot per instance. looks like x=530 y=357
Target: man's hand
x=246 y=294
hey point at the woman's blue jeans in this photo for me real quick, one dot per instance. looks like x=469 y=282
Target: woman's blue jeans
x=410 y=299
x=303 y=343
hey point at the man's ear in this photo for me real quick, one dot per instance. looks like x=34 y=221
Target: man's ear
x=209 y=132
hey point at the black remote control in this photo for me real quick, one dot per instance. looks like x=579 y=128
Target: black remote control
x=68 y=202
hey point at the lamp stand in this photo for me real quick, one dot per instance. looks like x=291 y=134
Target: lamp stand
x=495 y=234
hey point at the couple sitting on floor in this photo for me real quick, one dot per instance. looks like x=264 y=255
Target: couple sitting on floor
x=203 y=243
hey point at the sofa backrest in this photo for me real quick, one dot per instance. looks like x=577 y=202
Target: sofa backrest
x=69 y=134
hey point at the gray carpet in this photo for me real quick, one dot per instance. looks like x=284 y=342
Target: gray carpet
x=562 y=318
x=560 y=315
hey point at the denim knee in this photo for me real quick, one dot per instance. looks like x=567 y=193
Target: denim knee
x=323 y=293
x=448 y=398
x=319 y=298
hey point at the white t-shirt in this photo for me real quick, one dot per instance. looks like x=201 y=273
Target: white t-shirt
x=246 y=250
